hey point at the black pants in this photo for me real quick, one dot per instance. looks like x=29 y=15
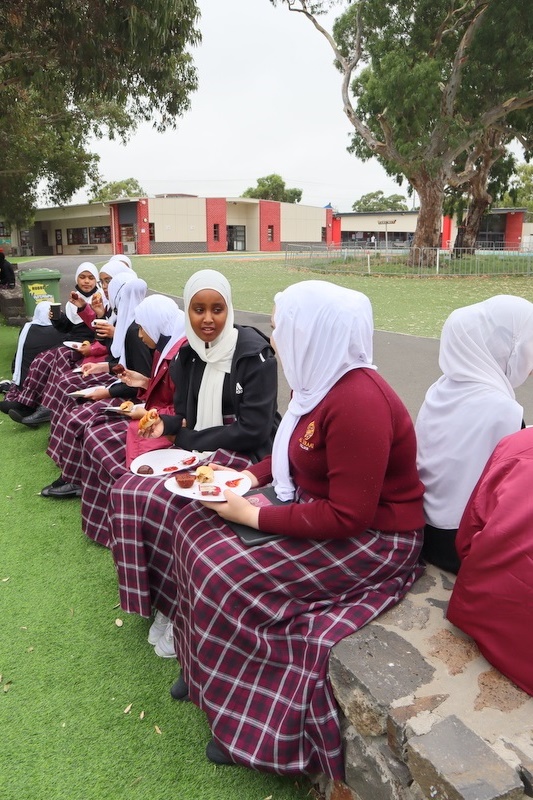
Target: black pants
x=439 y=549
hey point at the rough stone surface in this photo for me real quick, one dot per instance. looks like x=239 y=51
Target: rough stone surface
x=426 y=716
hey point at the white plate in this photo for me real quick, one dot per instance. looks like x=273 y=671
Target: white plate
x=161 y=460
x=120 y=410
x=77 y=369
x=73 y=345
x=221 y=476
x=85 y=392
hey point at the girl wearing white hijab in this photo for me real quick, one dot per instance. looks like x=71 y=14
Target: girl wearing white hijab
x=254 y=626
x=486 y=352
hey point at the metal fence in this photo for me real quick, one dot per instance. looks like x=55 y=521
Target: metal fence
x=402 y=260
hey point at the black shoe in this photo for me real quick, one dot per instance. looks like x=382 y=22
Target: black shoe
x=60 y=489
x=179 y=690
x=217 y=756
x=5 y=386
x=12 y=405
x=39 y=416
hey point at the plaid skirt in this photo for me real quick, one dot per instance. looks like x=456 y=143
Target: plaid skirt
x=32 y=391
x=66 y=442
x=142 y=516
x=103 y=463
x=254 y=627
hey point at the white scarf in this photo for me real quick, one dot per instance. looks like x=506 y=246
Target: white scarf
x=161 y=316
x=41 y=318
x=218 y=356
x=486 y=351
x=322 y=331
x=126 y=291
x=70 y=309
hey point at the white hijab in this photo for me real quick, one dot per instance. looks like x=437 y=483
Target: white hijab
x=70 y=309
x=113 y=268
x=126 y=291
x=486 y=351
x=321 y=332
x=218 y=356
x=160 y=316
x=41 y=318
x=122 y=259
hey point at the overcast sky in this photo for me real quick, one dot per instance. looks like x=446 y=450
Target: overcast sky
x=269 y=100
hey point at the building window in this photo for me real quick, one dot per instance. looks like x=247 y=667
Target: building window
x=216 y=232
x=77 y=236
x=270 y=233
x=151 y=231
x=323 y=234
x=100 y=234
x=3 y=230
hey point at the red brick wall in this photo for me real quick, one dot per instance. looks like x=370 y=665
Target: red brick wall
x=216 y=214
x=513 y=228
x=329 y=226
x=143 y=231
x=269 y=214
x=115 y=230
x=446 y=234
x=336 y=230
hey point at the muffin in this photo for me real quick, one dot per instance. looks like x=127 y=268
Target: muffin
x=185 y=480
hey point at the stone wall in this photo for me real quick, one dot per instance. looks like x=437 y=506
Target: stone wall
x=423 y=713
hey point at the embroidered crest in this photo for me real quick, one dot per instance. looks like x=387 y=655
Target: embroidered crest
x=238 y=389
x=305 y=440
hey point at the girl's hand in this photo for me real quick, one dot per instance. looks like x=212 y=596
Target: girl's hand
x=132 y=378
x=99 y=394
x=97 y=304
x=77 y=300
x=85 y=350
x=104 y=330
x=154 y=431
x=236 y=509
x=98 y=368
x=137 y=412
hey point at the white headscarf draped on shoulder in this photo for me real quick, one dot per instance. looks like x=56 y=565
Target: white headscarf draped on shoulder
x=126 y=291
x=219 y=355
x=321 y=332
x=113 y=268
x=161 y=316
x=70 y=309
x=486 y=351
x=41 y=318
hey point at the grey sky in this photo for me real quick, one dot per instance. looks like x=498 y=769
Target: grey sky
x=269 y=100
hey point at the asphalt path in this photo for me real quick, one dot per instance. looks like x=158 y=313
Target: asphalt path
x=408 y=363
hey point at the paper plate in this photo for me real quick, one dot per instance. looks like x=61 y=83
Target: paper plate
x=162 y=461
x=221 y=480
x=85 y=392
x=73 y=345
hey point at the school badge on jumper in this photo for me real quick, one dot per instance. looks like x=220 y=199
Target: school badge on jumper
x=305 y=440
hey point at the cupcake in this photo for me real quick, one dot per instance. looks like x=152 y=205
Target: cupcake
x=185 y=479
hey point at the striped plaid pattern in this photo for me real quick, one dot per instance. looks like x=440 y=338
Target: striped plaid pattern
x=103 y=463
x=62 y=366
x=142 y=527
x=254 y=627
x=65 y=447
x=34 y=385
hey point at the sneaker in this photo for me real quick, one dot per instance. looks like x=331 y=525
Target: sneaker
x=157 y=628
x=5 y=386
x=165 y=645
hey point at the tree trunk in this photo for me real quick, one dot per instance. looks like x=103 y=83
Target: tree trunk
x=476 y=210
x=427 y=238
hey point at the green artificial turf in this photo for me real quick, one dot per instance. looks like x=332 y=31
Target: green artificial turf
x=74 y=685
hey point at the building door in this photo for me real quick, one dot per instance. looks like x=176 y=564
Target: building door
x=236 y=237
x=128 y=239
x=59 y=242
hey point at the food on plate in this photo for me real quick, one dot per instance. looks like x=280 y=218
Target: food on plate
x=145 y=469
x=185 y=479
x=171 y=469
x=85 y=343
x=205 y=474
x=149 y=419
x=233 y=483
x=118 y=370
x=209 y=490
x=126 y=406
x=188 y=461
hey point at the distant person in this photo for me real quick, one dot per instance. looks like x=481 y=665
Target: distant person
x=486 y=352
x=7 y=273
x=492 y=599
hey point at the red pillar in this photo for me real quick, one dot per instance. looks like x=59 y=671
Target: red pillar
x=514 y=222
x=143 y=230
x=269 y=225
x=216 y=223
x=336 y=230
x=446 y=232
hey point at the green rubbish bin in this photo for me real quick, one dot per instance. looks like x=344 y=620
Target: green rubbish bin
x=38 y=285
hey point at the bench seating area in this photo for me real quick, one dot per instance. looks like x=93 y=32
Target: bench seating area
x=424 y=714
x=84 y=248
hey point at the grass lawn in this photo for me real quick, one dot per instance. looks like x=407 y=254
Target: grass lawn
x=85 y=712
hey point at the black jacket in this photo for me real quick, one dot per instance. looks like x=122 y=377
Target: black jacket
x=138 y=357
x=249 y=398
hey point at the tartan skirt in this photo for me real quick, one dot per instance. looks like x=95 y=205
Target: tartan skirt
x=32 y=391
x=142 y=518
x=254 y=627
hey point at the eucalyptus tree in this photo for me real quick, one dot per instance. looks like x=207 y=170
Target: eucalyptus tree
x=426 y=83
x=70 y=69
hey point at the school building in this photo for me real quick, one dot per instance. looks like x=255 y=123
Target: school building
x=177 y=223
